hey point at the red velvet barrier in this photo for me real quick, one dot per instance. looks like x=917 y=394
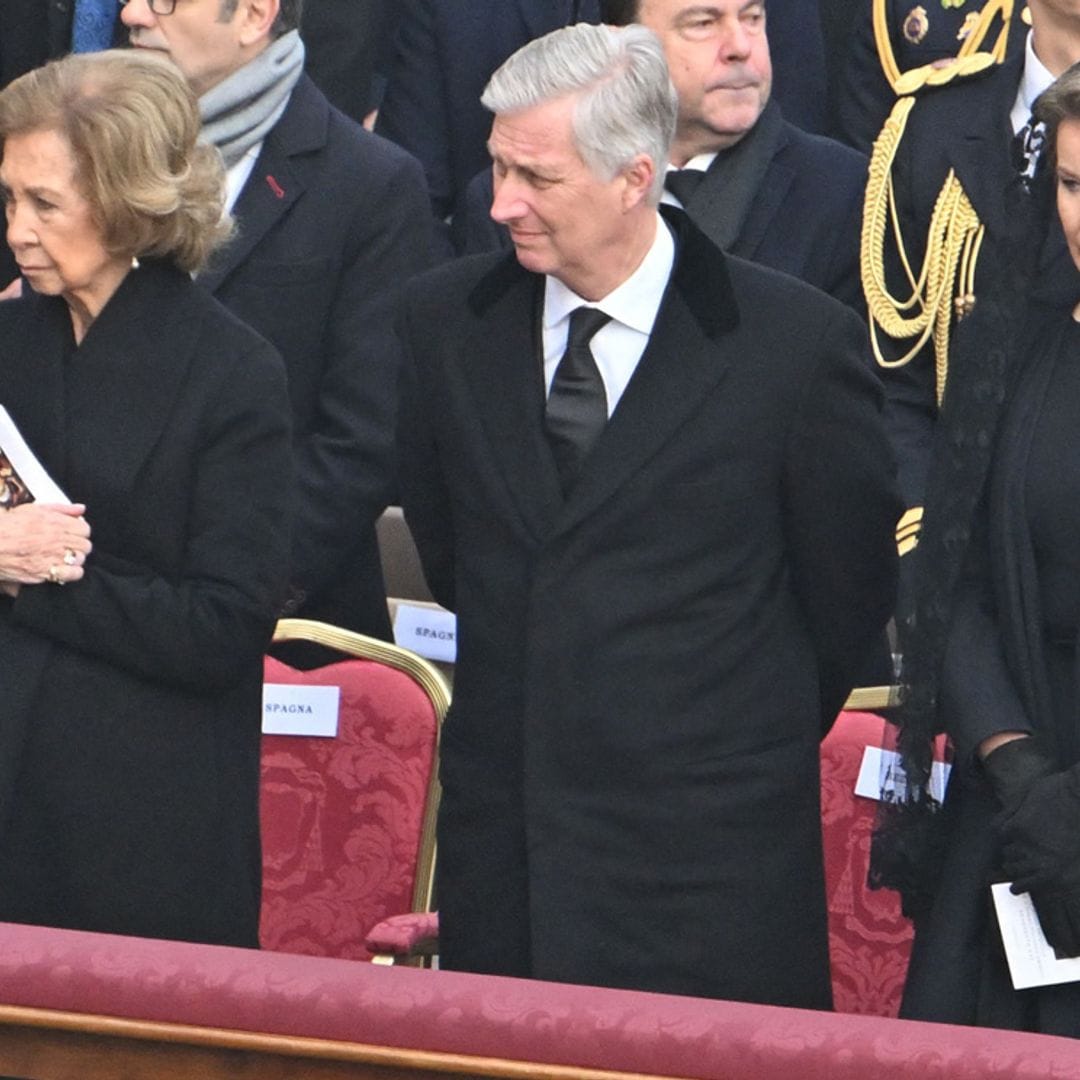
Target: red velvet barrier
x=482 y=1016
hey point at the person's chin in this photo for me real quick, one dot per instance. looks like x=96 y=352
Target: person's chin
x=40 y=280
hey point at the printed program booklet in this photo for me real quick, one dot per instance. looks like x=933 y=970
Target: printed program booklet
x=23 y=478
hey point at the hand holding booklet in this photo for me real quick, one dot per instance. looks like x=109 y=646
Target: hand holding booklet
x=23 y=478
x=1032 y=960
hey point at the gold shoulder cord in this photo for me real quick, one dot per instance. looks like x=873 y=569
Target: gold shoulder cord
x=945 y=284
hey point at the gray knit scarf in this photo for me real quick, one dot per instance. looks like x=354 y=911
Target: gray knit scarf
x=238 y=112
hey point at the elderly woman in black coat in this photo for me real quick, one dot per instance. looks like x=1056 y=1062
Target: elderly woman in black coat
x=133 y=623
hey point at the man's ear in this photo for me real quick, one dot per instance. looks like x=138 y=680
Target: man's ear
x=639 y=176
x=256 y=18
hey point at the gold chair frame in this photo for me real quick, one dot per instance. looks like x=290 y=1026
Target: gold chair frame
x=430 y=680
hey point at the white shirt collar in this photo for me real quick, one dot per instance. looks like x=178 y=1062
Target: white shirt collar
x=635 y=302
x=1034 y=81
x=698 y=161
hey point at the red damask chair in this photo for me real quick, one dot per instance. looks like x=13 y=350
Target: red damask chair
x=869 y=938
x=348 y=823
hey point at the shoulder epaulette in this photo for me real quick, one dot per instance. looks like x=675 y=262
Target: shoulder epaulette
x=909 y=82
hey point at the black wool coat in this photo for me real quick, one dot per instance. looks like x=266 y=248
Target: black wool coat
x=129 y=737
x=331 y=223
x=630 y=766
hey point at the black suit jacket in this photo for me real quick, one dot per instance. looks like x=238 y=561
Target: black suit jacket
x=348 y=46
x=129 y=737
x=331 y=223
x=444 y=54
x=643 y=668
x=32 y=32
x=805 y=219
x=446 y=50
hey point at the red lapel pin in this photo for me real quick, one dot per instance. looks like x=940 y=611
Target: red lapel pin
x=275 y=187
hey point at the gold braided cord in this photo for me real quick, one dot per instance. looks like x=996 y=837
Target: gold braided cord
x=990 y=11
x=953 y=242
x=884 y=46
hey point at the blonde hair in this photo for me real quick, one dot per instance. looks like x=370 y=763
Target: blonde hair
x=132 y=123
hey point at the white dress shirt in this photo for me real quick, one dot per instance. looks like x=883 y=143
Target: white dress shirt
x=617 y=346
x=237 y=176
x=1033 y=82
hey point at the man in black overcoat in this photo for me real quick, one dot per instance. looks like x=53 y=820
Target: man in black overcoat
x=331 y=221
x=668 y=548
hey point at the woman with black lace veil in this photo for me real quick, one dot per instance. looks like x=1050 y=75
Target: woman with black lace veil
x=993 y=653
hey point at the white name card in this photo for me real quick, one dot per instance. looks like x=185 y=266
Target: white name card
x=431 y=632
x=1032 y=960
x=300 y=710
x=881 y=774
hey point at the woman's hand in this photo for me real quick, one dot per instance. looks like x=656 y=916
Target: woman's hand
x=42 y=542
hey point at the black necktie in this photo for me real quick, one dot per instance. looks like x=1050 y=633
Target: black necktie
x=577 y=403
x=682 y=183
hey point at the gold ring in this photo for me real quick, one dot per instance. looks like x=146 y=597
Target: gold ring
x=70 y=558
x=54 y=575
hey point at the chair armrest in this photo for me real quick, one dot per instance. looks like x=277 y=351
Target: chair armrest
x=404 y=937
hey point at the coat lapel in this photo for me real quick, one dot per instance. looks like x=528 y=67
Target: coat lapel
x=136 y=351
x=32 y=386
x=274 y=185
x=764 y=208
x=683 y=362
x=502 y=361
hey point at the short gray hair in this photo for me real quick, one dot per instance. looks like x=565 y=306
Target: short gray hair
x=626 y=101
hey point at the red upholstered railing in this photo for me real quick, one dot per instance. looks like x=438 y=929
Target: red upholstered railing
x=486 y=1018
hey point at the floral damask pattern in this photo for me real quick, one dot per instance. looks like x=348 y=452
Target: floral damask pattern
x=341 y=817
x=546 y=1024
x=869 y=939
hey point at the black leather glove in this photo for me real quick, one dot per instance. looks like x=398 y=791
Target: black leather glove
x=1040 y=831
x=1014 y=766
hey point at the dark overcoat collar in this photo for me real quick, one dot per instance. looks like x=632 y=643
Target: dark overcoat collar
x=128 y=377
x=684 y=359
x=276 y=180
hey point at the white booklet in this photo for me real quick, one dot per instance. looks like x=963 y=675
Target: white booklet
x=1032 y=960
x=23 y=478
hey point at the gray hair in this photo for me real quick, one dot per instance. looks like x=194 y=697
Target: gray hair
x=626 y=103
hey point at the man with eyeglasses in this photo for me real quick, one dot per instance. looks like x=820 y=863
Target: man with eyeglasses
x=331 y=221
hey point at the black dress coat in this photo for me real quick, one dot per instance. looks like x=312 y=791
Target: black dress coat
x=444 y=53
x=1005 y=668
x=347 y=50
x=630 y=765
x=804 y=220
x=331 y=224
x=129 y=737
